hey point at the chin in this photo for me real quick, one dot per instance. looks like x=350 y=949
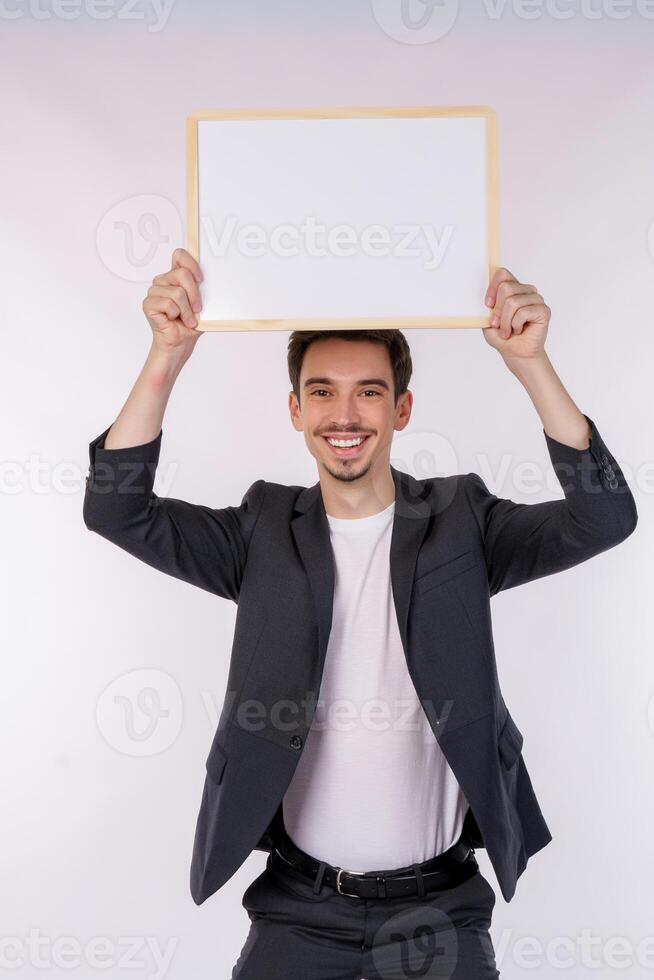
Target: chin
x=348 y=474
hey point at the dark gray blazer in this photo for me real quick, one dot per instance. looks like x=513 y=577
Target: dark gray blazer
x=454 y=545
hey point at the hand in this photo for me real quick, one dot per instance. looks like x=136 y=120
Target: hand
x=171 y=304
x=522 y=318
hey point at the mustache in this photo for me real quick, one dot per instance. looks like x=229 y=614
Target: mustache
x=345 y=432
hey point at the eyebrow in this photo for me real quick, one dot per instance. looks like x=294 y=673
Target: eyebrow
x=365 y=381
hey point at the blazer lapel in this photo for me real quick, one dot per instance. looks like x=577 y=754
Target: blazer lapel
x=413 y=511
x=311 y=532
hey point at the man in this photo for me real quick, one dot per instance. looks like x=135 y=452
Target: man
x=370 y=591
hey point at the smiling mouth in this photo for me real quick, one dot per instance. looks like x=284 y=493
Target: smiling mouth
x=346 y=452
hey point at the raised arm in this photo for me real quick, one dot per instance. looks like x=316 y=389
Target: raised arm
x=170 y=306
x=204 y=546
x=523 y=542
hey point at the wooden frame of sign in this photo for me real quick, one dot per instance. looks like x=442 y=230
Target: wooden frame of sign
x=414 y=163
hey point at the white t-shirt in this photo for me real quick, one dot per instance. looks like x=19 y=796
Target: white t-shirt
x=372 y=789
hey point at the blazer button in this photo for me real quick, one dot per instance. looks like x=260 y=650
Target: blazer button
x=604 y=459
x=613 y=484
x=296 y=742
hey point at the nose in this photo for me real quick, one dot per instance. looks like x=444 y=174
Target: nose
x=344 y=412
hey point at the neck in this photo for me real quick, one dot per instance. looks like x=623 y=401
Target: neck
x=369 y=495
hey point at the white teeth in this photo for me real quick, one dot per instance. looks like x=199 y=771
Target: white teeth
x=345 y=443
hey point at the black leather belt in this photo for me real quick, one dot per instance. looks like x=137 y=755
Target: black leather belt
x=447 y=869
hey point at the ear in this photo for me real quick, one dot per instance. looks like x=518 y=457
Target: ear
x=295 y=412
x=403 y=410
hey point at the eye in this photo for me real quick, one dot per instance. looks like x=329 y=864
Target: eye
x=372 y=391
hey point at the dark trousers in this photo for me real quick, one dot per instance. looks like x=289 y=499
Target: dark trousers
x=297 y=933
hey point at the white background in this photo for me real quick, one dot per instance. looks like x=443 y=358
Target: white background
x=97 y=842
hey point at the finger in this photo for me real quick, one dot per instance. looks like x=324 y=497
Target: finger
x=511 y=290
x=513 y=308
x=165 y=279
x=500 y=275
x=510 y=306
x=161 y=305
x=511 y=286
x=179 y=295
x=525 y=315
x=189 y=282
x=160 y=320
x=184 y=260
x=182 y=277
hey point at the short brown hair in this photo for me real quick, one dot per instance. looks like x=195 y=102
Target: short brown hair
x=395 y=341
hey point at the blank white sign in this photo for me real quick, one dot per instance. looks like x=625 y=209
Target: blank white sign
x=357 y=220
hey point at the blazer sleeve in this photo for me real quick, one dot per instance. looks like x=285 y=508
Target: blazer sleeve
x=204 y=546
x=523 y=542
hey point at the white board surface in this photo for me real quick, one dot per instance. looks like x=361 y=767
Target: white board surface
x=343 y=218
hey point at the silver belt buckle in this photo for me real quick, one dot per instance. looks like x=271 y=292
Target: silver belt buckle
x=340 y=871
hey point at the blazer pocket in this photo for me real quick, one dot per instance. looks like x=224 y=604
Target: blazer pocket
x=509 y=742
x=216 y=761
x=445 y=571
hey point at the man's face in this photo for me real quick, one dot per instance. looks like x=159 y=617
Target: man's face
x=346 y=391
